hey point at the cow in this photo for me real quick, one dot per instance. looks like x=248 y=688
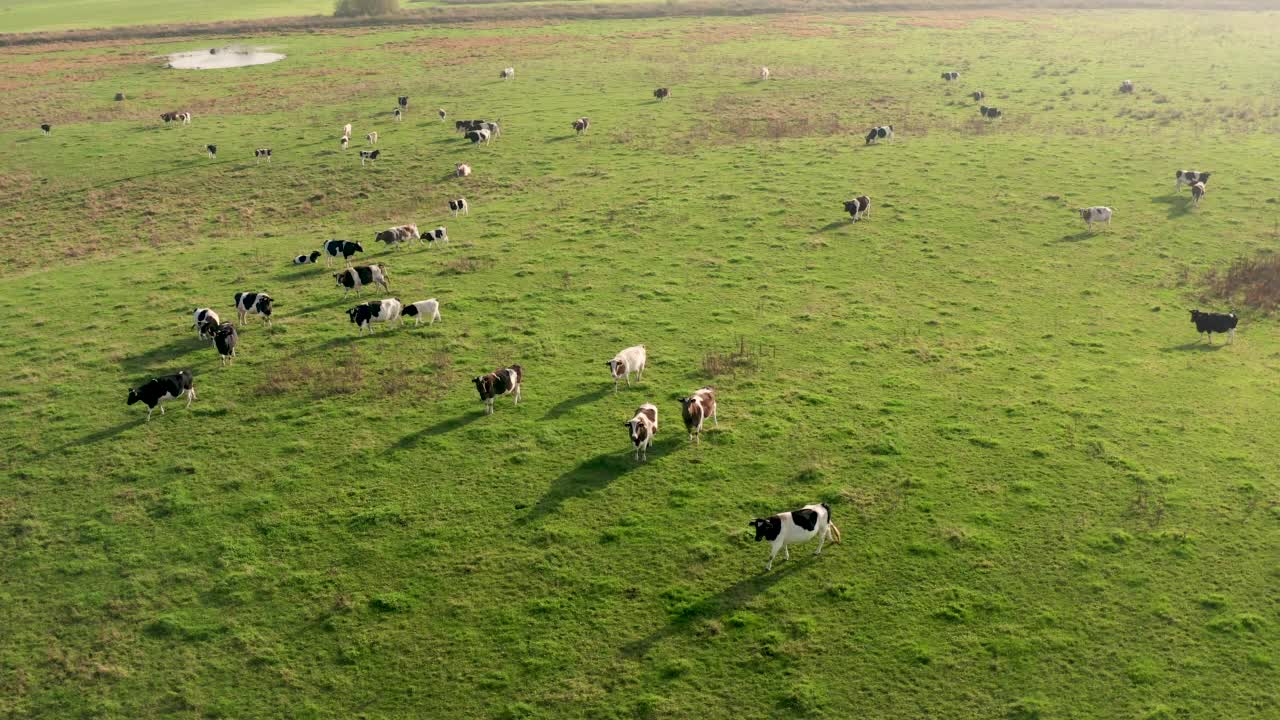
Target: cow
x=764 y=74
x=858 y=207
x=346 y=130
x=262 y=153
x=398 y=115
x=1189 y=177
x=354 y=278
x=429 y=309
x=642 y=427
x=396 y=235
x=508 y=73
x=463 y=126
x=503 y=381
x=478 y=136
x=157 y=390
x=794 y=527
x=581 y=124
x=45 y=128
x=1095 y=214
x=880 y=133
x=369 y=155
x=978 y=95
x=494 y=129
x=334 y=248
x=442 y=114
x=213 y=151
x=372 y=137
x=459 y=206
x=344 y=142
x=1208 y=323
x=950 y=76
x=365 y=314
x=990 y=113
x=463 y=170
x=202 y=317
x=253 y=303
x=697 y=408
x=439 y=235
x=307 y=259
x=630 y=360
x=225 y=339
x=662 y=93
x=403 y=101
x=1126 y=86
x=176 y=116
x=185 y=117
x=1197 y=193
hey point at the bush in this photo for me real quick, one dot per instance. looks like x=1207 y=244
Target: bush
x=354 y=8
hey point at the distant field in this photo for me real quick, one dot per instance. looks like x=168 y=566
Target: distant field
x=40 y=15
x=1055 y=502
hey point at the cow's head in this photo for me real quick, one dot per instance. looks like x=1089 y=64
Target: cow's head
x=133 y=396
x=483 y=384
x=851 y=206
x=353 y=312
x=765 y=526
x=616 y=368
x=1195 y=315
x=1084 y=213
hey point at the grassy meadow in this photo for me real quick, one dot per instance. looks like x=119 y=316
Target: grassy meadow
x=1055 y=502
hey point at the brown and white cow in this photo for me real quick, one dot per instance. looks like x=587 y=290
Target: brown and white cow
x=503 y=381
x=581 y=124
x=642 y=428
x=697 y=408
x=396 y=235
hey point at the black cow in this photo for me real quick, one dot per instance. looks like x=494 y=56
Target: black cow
x=502 y=381
x=404 y=101
x=45 y=128
x=225 y=338
x=157 y=390
x=213 y=151
x=662 y=93
x=990 y=113
x=1208 y=323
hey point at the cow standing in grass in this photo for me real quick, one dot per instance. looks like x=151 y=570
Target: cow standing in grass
x=641 y=428
x=697 y=408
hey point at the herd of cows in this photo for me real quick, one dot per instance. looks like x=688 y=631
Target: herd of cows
x=780 y=530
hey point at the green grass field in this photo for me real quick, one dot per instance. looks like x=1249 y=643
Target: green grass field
x=1055 y=502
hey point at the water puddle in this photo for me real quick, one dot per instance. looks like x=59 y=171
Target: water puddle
x=221 y=58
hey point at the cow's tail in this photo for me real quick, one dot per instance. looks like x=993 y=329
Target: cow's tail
x=835 y=533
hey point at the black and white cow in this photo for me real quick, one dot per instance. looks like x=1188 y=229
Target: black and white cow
x=262 y=153
x=45 y=128
x=794 y=527
x=213 y=151
x=345 y=141
x=225 y=338
x=354 y=278
x=858 y=207
x=1208 y=323
x=1095 y=214
x=368 y=156
x=464 y=126
x=157 y=390
x=252 y=303
x=429 y=309
x=503 y=381
x=399 y=116
x=1189 y=177
x=978 y=95
x=990 y=113
x=439 y=235
x=1126 y=86
x=307 y=259
x=396 y=235
x=697 y=408
x=581 y=125
x=365 y=314
x=334 y=248
x=478 y=136
x=459 y=206
x=508 y=73
x=950 y=76
x=642 y=427
x=494 y=129
x=403 y=101
x=1197 y=193
x=662 y=93
x=442 y=114
x=880 y=133
x=203 y=317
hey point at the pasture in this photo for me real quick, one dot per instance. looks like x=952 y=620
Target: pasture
x=1055 y=501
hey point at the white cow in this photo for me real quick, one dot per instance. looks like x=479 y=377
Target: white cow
x=1096 y=214
x=429 y=309
x=630 y=360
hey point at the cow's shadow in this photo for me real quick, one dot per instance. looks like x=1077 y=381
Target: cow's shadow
x=1179 y=205
x=835 y=225
x=164 y=354
x=1077 y=237
x=411 y=440
x=100 y=435
x=564 y=407
x=1197 y=346
x=592 y=475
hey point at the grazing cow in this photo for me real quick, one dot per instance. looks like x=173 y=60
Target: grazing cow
x=213 y=151
x=463 y=170
x=492 y=127
x=1208 y=323
x=369 y=155
x=662 y=93
x=403 y=101
x=345 y=141
x=185 y=117
x=399 y=115
x=477 y=136
x=581 y=124
x=202 y=317
x=45 y=128
x=508 y=73
x=858 y=207
x=630 y=360
x=1095 y=214
x=1189 y=177
x=439 y=235
x=978 y=95
x=502 y=381
x=396 y=235
x=642 y=427
x=463 y=126
x=354 y=278
x=990 y=113
x=950 y=76
x=880 y=133
x=429 y=309
x=794 y=527
x=696 y=408
x=764 y=74
x=372 y=137
x=252 y=303
x=365 y=314
x=1126 y=86
x=225 y=339
x=262 y=153
x=459 y=206
x=346 y=129
x=1197 y=193
x=307 y=259
x=334 y=248
x=442 y=114
x=157 y=390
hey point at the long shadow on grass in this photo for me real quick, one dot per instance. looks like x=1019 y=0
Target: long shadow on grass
x=718 y=605
x=100 y=435
x=566 y=406
x=592 y=475
x=1077 y=237
x=833 y=225
x=1179 y=205
x=1197 y=346
x=411 y=440
x=163 y=355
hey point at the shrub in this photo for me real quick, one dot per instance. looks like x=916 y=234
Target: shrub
x=358 y=8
